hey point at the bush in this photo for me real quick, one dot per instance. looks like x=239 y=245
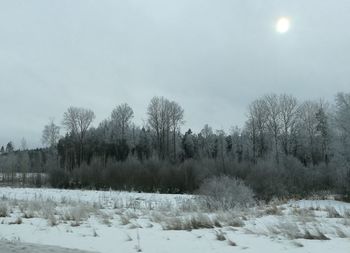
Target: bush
x=224 y=192
x=58 y=178
x=268 y=180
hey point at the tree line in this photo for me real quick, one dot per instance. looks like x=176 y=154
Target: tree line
x=286 y=147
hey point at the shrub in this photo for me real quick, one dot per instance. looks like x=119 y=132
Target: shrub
x=224 y=192
x=317 y=236
x=58 y=178
x=3 y=210
x=201 y=221
x=176 y=223
x=333 y=213
x=77 y=214
x=18 y=221
x=220 y=235
x=268 y=180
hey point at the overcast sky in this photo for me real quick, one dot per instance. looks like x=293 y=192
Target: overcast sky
x=213 y=57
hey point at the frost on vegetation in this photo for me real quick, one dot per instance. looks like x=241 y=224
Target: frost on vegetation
x=194 y=221
x=17 y=221
x=126 y=217
x=225 y=193
x=291 y=230
x=77 y=214
x=3 y=210
x=333 y=213
x=220 y=235
x=229 y=219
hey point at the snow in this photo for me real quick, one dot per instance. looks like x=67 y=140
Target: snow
x=262 y=231
x=16 y=247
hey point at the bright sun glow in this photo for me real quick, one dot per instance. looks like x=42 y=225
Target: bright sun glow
x=283 y=25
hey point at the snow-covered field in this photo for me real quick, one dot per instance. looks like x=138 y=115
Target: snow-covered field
x=113 y=221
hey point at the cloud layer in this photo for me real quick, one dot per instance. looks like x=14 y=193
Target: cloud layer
x=213 y=57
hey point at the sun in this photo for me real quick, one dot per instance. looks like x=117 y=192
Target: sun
x=283 y=25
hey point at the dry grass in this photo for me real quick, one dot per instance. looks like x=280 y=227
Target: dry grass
x=201 y=221
x=134 y=225
x=126 y=217
x=314 y=236
x=77 y=214
x=52 y=220
x=304 y=215
x=297 y=244
x=231 y=243
x=346 y=222
x=3 y=210
x=105 y=218
x=188 y=214
x=347 y=213
x=333 y=213
x=220 y=235
x=341 y=233
x=291 y=230
x=128 y=237
x=228 y=219
x=175 y=223
x=194 y=221
x=303 y=212
x=273 y=210
x=18 y=221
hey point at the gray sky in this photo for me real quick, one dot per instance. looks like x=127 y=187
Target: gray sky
x=213 y=57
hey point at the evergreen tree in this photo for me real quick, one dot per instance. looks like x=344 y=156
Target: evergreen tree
x=188 y=145
x=9 y=147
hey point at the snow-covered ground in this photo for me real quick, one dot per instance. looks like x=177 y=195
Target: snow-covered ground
x=113 y=221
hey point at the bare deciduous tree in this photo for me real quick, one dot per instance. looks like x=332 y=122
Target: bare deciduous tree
x=77 y=121
x=289 y=110
x=121 y=117
x=158 y=119
x=308 y=128
x=273 y=120
x=164 y=116
x=257 y=125
x=176 y=120
x=51 y=134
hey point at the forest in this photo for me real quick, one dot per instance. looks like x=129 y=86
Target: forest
x=286 y=148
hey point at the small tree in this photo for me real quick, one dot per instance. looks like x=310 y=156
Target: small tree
x=77 y=121
x=51 y=134
x=224 y=192
x=9 y=147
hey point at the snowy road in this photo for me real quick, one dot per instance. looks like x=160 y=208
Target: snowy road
x=19 y=247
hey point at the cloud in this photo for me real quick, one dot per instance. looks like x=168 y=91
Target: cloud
x=214 y=58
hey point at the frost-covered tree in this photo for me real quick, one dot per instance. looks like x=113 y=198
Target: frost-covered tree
x=257 y=128
x=77 y=121
x=308 y=130
x=176 y=120
x=159 y=119
x=9 y=147
x=188 y=144
x=342 y=136
x=289 y=112
x=121 y=119
x=51 y=134
x=24 y=144
x=273 y=108
x=323 y=132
